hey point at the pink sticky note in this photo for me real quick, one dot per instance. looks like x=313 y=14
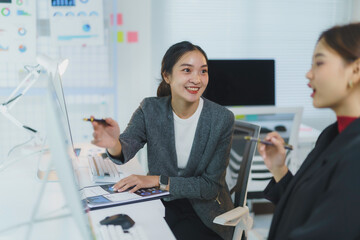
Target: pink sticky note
x=111 y=19
x=119 y=19
x=132 y=37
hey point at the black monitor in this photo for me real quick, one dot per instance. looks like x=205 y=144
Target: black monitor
x=241 y=82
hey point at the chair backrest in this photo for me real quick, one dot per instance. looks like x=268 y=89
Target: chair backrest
x=241 y=155
x=286 y=121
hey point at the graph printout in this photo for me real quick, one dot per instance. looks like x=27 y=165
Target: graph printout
x=17 y=31
x=77 y=23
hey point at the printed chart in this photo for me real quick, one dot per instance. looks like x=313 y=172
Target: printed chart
x=77 y=23
x=17 y=31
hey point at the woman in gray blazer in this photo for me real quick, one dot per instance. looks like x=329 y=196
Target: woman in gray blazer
x=188 y=142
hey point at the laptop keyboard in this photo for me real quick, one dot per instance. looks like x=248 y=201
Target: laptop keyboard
x=103 y=169
x=115 y=232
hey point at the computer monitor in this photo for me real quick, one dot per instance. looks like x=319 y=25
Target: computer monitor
x=60 y=97
x=63 y=157
x=286 y=121
x=241 y=82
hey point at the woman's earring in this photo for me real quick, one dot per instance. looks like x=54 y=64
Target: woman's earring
x=350 y=84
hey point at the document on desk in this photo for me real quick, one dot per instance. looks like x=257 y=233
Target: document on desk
x=101 y=196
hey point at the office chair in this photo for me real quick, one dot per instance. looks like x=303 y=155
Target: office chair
x=237 y=175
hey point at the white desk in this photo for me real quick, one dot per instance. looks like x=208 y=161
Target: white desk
x=20 y=188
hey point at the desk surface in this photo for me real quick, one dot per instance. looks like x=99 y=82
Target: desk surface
x=20 y=189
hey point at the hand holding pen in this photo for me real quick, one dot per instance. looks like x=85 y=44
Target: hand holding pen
x=92 y=119
x=106 y=132
x=273 y=152
x=258 y=140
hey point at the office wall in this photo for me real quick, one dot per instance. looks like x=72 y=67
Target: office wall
x=355 y=16
x=88 y=82
x=133 y=59
x=279 y=29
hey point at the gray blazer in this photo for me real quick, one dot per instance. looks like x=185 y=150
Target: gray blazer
x=203 y=179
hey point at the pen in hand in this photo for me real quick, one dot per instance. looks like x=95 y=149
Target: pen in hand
x=95 y=120
x=258 y=140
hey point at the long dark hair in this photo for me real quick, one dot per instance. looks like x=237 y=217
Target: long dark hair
x=345 y=40
x=171 y=57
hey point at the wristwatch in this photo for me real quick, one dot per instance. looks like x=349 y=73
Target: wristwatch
x=163 y=181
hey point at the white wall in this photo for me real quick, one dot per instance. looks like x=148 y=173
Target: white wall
x=133 y=59
x=355 y=16
x=279 y=29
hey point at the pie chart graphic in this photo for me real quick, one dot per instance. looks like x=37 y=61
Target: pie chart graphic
x=22 y=31
x=82 y=14
x=5 y=12
x=86 y=28
x=58 y=14
x=22 y=48
x=93 y=13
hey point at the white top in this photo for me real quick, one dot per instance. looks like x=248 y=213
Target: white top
x=184 y=135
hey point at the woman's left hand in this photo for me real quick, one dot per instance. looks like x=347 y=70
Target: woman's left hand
x=137 y=182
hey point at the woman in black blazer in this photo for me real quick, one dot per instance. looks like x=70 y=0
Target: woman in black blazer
x=322 y=200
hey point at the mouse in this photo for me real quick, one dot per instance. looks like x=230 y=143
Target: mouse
x=119 y=219
x=280 y=128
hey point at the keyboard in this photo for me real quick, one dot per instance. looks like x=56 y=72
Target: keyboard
x=103 y=169
x=115 y=232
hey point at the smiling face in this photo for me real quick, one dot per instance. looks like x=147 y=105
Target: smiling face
x=189 y=78
x=329 y=77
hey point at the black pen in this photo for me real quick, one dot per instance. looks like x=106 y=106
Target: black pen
x=258 y=140
x=95 y=120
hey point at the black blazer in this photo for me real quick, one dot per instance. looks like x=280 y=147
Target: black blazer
x=322 y=200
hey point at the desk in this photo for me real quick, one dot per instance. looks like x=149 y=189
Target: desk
x=19 y=191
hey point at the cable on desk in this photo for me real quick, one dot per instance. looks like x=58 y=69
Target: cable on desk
x=5 y=164
x=19 y=145
x=36 y=221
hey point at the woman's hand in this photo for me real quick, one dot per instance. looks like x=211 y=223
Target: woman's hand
x=136 y=181
x=274 y=155
x=106 y=134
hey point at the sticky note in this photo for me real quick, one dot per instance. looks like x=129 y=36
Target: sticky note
x=239 y=117
x=120 y=36
x=132 y=37
x=252 y=117
x=111 y=19
x=119 y=19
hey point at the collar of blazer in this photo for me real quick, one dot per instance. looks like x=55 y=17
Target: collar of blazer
x=200 y=139
x=331 y=143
